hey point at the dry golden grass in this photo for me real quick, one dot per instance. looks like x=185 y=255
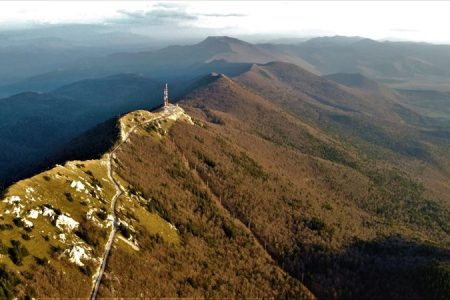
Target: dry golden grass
x=53 y=189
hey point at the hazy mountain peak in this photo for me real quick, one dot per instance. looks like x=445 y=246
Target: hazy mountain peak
x=204 y=81
x=211 y=77
x=223 y=39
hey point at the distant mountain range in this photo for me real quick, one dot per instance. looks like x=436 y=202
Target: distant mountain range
x=87 y=102
x=398 y=64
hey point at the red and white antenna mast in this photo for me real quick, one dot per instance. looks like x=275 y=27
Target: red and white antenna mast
x=166 y=96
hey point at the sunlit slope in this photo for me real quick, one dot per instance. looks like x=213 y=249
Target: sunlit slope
x=54 y=225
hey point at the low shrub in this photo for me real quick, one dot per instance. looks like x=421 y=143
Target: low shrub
x=17 y=252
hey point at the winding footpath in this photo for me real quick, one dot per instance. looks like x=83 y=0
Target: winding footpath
x=115 y=222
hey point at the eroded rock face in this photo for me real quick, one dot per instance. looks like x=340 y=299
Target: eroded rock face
x=33 y=214
x=76 y=254
x=64 y=221
x=77 y=185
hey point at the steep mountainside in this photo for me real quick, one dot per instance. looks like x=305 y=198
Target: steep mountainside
x=350 y=224
x=378 y=125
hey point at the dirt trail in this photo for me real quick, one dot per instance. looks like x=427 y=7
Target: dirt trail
x=115 y=222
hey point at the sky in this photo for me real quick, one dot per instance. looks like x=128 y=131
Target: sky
x=426 y=21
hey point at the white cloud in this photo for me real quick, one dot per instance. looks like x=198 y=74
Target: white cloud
x=410 y=20
x=16 y=13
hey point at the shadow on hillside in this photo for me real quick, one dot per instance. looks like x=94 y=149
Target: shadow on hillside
x=385 y=268
x=91 y=144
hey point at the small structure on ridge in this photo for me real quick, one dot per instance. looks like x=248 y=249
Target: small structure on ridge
x=166 y=96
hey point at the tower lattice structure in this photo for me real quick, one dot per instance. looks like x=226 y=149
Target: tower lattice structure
x=166 y=95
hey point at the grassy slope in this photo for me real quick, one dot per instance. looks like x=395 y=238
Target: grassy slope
x=44 y=268
x=53 y=188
